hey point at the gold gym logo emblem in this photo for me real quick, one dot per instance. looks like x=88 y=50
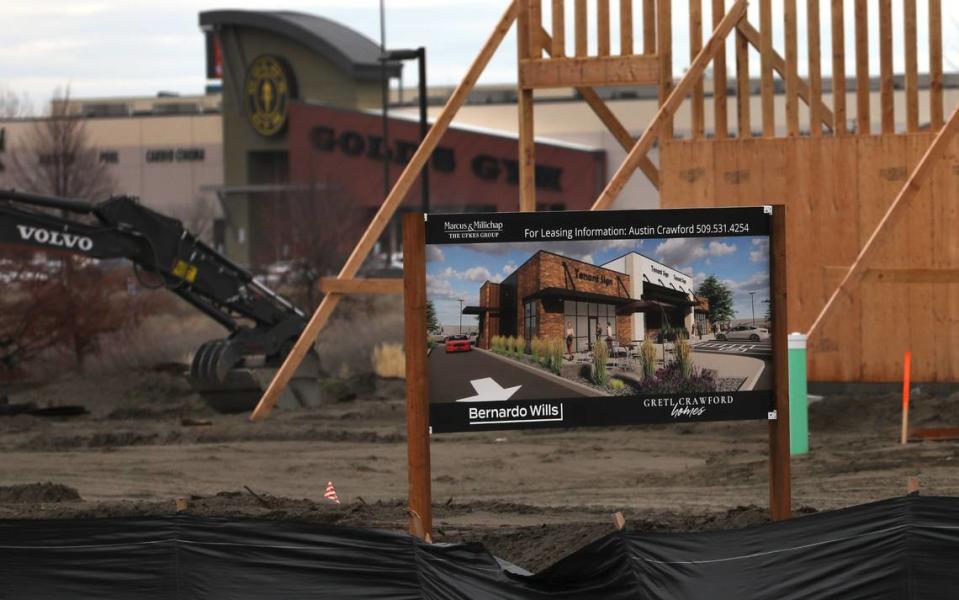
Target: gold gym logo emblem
x=269 y=87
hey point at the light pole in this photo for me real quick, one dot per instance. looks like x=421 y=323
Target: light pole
x=460 y=300
x=419 y=55
x=752 y=300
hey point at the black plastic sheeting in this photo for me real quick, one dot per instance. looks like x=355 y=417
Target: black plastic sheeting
x=901 y=548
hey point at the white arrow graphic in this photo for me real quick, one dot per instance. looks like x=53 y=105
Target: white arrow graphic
x=488 y=390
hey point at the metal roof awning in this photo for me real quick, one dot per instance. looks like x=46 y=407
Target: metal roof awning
x=645 y=306
x=568 y=294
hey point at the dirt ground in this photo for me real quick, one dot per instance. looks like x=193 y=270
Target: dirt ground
x=530 y=497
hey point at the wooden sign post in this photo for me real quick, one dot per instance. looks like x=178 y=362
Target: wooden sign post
x=417 y=400
x=780 y=488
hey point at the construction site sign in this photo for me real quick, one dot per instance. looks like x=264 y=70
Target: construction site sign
x=567 y=319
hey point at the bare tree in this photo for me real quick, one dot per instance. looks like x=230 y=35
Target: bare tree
x=198 y=216
x=14 y=105
x=311 y=231
x=56 y=157
x=58 y=299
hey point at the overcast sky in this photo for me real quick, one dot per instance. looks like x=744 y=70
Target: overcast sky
x=138 y=47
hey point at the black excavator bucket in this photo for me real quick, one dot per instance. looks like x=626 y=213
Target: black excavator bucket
x=230 y=383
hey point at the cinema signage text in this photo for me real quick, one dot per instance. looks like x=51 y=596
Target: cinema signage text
x=444 y=160
x=175 y=155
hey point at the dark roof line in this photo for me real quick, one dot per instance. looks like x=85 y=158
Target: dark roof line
x=346 y=48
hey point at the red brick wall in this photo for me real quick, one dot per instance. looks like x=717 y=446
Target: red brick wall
x=545 y=270
x=489 y=297
x=624 y=328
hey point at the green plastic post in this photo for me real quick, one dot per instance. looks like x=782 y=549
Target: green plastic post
x=798 y=403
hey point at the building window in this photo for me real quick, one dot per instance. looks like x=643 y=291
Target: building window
x=529 y=320
x=589 y=320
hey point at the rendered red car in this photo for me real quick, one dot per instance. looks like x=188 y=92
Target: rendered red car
x=458 y=343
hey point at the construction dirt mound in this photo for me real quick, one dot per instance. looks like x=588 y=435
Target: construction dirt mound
x=37 y=493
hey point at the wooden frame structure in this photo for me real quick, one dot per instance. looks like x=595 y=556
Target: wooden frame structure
x=545 y=61
x=580 y=71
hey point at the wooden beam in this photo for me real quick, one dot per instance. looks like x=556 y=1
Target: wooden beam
x=649 y=26
x=558 y=45
x=886 y=103
x=618 y=131
x=862 y=68
x=350 y=285
x=912 y=72
x=743 y=123
x=664 y=50
x=917 y=179
x=720 y=79
x=615 y=127
x=665 y=112
x=581 y=25
x=766 y=67
x=535 y=26
x=838 y=69
x=602 y=27
x=935 y=64
x=779 y=65
x=417 y=389
x=625 y=27
x=815 y=68
x=780 y=471
x=524 y=106
x=792 y=66
x=523 y=34
x=375 y=229
x=697 y=101
x=596 y=71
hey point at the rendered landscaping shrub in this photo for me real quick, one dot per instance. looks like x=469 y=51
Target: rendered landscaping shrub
x=600 y=356
x=537 y=348
x=670 y=380
x=554 y=354
x=647 y=356
x=683 y=356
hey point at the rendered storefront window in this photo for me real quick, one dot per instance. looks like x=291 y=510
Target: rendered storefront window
x=588 y=319
x=530 y=321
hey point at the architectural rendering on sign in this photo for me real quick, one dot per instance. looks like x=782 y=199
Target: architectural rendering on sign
x=665 y=322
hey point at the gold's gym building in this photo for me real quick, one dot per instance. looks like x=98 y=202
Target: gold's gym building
x=302 y=125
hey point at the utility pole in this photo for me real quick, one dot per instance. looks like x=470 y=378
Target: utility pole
x=752 y=300
x=460 y=300
x=385 y=99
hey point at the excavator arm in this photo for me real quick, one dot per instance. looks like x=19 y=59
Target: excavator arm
x=262 y=325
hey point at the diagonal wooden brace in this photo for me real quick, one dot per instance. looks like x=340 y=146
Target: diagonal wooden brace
x=917 y=179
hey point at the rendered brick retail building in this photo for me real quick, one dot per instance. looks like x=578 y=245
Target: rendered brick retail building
x=550 y=294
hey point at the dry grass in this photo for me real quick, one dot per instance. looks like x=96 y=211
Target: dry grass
x=358 y=326
x=389 y=361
